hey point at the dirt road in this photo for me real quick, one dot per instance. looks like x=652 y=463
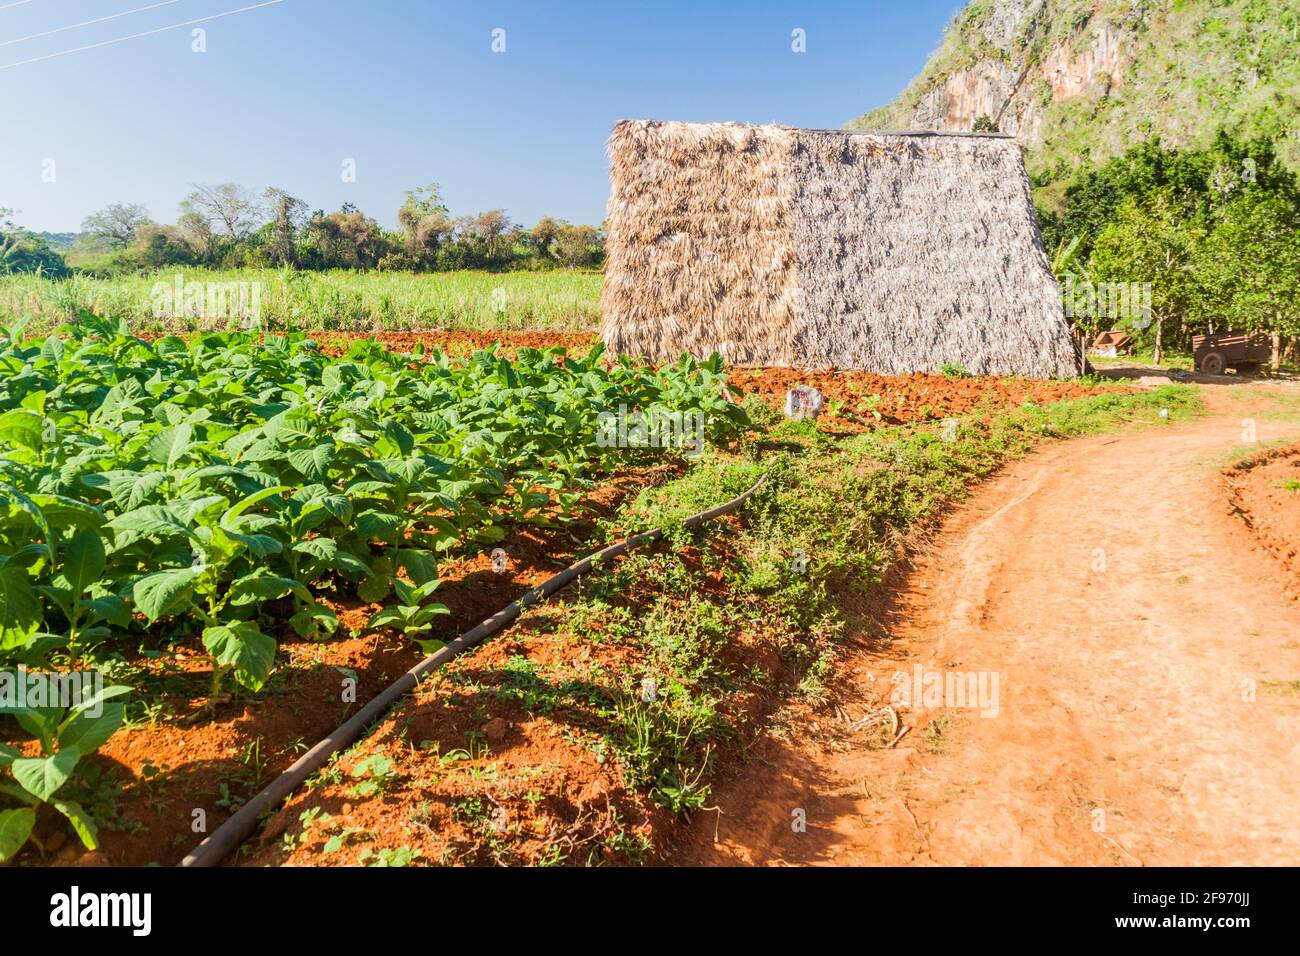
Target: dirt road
x=1144 y=710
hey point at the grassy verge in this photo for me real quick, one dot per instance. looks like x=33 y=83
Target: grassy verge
x=581 y=735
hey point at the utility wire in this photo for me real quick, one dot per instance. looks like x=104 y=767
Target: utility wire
x=86 y=23
x=18 y=4
x=136 y=36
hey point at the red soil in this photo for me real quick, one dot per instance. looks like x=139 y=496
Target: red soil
x=1264 y=491
x=158 y=773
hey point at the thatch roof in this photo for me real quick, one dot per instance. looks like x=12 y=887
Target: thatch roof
x=889 y=252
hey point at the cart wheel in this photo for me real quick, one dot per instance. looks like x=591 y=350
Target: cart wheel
x=1212 y=364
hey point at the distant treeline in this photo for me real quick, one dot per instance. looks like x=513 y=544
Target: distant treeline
x=230 y=226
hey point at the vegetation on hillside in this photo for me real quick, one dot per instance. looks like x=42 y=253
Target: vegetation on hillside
x=1182 y=70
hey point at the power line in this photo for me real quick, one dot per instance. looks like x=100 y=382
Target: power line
x=136 y=36
x=86 y=23
x=18 y=4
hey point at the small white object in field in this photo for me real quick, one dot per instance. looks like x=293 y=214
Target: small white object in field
x=1164 y=413
x=500 y=563
x=803 y=401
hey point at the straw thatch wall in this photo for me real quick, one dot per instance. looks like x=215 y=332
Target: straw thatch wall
x=888 y=252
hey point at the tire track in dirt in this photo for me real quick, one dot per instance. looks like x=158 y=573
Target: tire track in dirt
x=1142 y=644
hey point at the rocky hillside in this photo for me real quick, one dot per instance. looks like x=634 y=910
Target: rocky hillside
x=1081 y=79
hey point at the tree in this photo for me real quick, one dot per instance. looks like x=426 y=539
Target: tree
x=229 y=209
x=116 y=224
x=23 y=251
x=1249 y=268
x=543 y=234
x=577 y=246
x=156 y=247
x=197 y=232
x=288 y=216
x=425 y=224
x=421 y=202
x=487 y=235
x=1197 y=182
x=347 y=239
x=1151 y=243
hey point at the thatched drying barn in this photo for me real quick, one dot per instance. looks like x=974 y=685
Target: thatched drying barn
x=889 y=252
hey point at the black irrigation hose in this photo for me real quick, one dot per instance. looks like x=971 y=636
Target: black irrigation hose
x=227 y=837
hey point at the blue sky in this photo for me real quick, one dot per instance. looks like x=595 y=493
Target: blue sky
x=413 y=92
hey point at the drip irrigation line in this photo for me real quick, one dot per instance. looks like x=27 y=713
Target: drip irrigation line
x=227 y=837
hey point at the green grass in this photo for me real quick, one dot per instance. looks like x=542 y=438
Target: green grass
x=324 y=301
x=828 y=524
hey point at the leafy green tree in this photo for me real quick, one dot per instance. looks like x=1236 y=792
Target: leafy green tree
x=280 y=235
x=23 y=251
x=116 y=224
x=1248 y=268
x=1151 y=242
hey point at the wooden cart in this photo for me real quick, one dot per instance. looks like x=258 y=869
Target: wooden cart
x=1243 y=351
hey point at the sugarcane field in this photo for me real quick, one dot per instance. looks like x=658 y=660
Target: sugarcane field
x=911 y=494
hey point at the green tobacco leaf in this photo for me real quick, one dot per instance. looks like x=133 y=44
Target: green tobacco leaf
x=130 y=489
x=41 y=776
x=15 y=828
x=151 y=521
x=88 y=733
x=237 y=509
x=64 y=512
x=9 y=754
x=53 y=349
x=378 y=524
x=40 y=722
x=22 y=429
x=242 y=646
x=262 y=585
x=80 y=820
x=83 y=560
x=16 y=499
x=122 y=400
x=419 y=564
x=388 y=617
x=109 y=608
x=20 y=606
x=322 y=549
x=170 y=445
x=374 y=588
x=314 y=623
x=164 y=592
x=313 y=463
